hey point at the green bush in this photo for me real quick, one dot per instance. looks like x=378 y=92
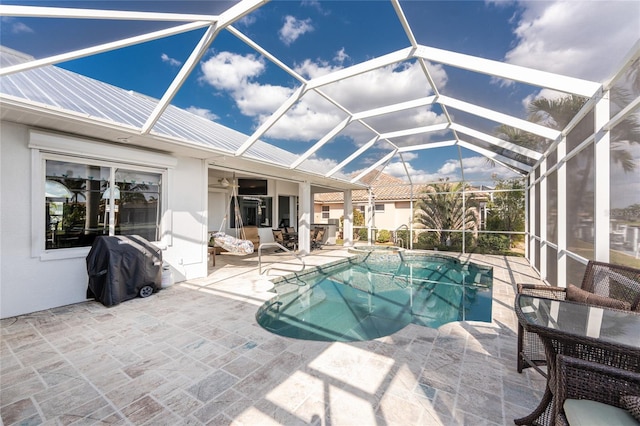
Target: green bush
x=426 y=241
x=383 y=236
x=404 y=236
x=494 y=242
x=363 y=233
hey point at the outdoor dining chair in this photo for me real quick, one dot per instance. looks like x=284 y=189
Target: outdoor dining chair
x=603 y=284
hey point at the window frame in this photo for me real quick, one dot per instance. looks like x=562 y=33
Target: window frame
x=53 y=147
x=326 y=210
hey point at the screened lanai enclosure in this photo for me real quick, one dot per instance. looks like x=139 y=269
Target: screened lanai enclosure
x=529 y=142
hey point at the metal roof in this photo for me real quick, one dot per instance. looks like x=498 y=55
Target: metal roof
x=38 y=82
x=54 y=87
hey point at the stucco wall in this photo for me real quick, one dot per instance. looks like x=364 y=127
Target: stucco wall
x=28 y=283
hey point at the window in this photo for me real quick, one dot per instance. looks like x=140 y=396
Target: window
x=379 y=207
x=325 y=212
x=80 y=203
x=254 y=211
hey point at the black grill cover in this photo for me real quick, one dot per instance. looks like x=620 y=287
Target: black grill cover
x=120 y=266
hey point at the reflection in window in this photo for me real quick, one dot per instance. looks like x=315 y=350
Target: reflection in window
x=580 y=203
x=252 y=211
x=624 y=221
x=138 y=204
x=78 y=204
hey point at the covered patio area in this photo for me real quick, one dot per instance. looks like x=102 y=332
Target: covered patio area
x=194 y=354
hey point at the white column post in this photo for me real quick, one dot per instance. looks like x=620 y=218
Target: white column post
x=347 y=224
x=561 y=220
x=371 y=219
x=542 y=211
x=532 y=218
x=601 y=212
x=304 y=222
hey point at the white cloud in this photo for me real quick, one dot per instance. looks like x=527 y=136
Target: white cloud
x=585 y=39
x=475 y=169
x=313 y=116
x=16 y=27
x=294 y=28
x=247 y=20
x=170 y=61
x=341 y=56
x=231 y=71
x=449 y=167
x=544 y=93
x=310 y=69
x=235 y=74
x=260 y=100
x=203 y=112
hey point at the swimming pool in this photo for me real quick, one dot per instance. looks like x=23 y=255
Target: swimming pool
x=374 y=295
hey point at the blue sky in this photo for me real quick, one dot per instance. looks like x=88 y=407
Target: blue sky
x=237 y=87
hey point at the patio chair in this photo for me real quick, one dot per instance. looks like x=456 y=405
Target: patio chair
x=278 y=237
x=592 y=393
x=603 y=284
x=317 y=238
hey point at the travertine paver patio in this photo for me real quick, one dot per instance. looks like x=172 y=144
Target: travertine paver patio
x=194 y=354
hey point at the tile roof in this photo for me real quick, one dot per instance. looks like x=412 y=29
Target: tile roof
x=385 y=188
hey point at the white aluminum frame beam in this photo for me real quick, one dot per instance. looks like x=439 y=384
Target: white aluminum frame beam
x=401 y=106
x=507 y=162
x=225 y=19
x=497 y=141
x=415 y=131
x=403 y=21
x=424 y=146
x=101 y=48
x=499 y=117
x=373 y=166
x=124 y=15
x=179 y=79
x=268 y=123
x=326 y=138
x=370 y=65
x=518 y=73
x=353 y=156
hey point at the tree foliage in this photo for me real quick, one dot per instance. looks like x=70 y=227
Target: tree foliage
x=506 y=210
x=444 y=206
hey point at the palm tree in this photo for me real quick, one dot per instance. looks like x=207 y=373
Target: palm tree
x=440 y=207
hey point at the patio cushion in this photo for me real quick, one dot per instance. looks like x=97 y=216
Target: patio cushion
x=632 y=404
x=576 y=294
x=583 y=412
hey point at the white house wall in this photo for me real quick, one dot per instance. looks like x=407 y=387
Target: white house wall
x=29 y=283
x=188 y=214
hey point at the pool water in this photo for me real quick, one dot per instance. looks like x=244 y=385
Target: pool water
x=375 y=296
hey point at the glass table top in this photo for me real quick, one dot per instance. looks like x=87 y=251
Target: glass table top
x=618 y=327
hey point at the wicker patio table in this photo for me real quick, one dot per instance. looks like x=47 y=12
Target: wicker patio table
x=602 y=335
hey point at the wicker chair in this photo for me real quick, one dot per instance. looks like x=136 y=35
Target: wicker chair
x=581 y=379
x=600 y=278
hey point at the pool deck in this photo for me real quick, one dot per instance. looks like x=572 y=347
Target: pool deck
x=193 y=354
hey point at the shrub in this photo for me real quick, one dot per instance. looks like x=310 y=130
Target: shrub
x=363 y=233
x=426 y=241
x=383 y=236
x=404 y=236
x=494 y=242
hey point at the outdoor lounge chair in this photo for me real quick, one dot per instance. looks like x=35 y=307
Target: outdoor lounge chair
x=603 y=284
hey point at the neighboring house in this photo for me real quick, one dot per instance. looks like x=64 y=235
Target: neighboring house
x=391 y=200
